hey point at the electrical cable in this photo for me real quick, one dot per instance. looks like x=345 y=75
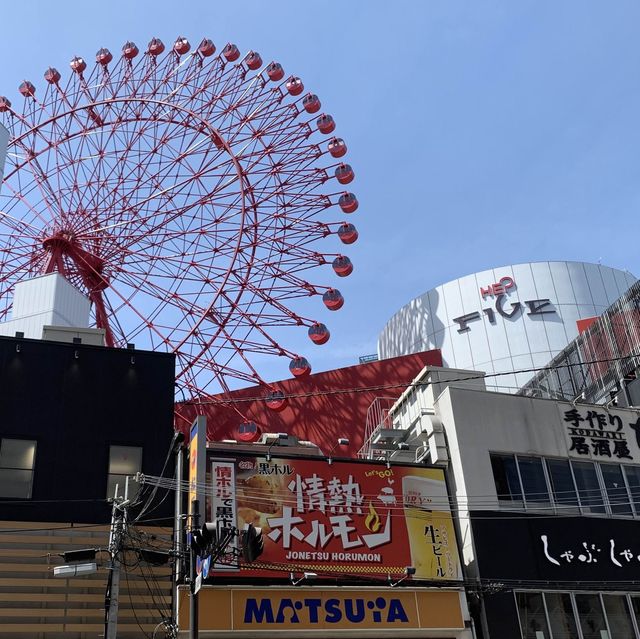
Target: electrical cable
x=450 y=504
x=4 y=502
x=79 y=526
x=174 y=440
x=133 y=607
x=139 y=538
x=404 y=385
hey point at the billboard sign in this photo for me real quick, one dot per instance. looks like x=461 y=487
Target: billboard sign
x=344 y=518
x=197 y=462
x=266 y=611
x=552 y=550
x=601 y=433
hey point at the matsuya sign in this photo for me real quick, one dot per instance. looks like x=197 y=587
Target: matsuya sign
x=495 y=295
x=270 y=611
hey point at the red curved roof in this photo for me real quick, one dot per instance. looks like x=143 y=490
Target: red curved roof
x=321 y=407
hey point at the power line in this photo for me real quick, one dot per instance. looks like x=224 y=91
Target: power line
x=404 y=385
x=50 y=501
x=85 y=526
x=442 y=507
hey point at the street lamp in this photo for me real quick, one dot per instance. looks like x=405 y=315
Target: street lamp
x=341 y=441
x=279 y=437
x=409 y=571
x=75 y=570
x=306 y=576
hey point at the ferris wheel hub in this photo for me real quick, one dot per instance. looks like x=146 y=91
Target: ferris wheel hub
x=64 y=244
x=60 y=240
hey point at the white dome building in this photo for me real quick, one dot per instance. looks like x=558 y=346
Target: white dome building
x=505 y=319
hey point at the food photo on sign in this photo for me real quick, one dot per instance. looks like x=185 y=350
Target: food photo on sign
x=345 y=519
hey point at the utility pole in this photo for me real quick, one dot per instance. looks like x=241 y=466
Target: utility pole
x=193 y=608
x=178 y=529
x=116 y=534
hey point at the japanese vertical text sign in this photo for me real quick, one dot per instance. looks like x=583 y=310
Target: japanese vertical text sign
x=224 y=506
x=602 y=434
x=346 y=518
x=197 y=461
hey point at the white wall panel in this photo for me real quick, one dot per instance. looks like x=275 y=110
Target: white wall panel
x=610 y=285
x=493 y=341
x=596 y=285
x=46 y=300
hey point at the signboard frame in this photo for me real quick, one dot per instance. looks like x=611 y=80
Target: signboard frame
x=350 y=519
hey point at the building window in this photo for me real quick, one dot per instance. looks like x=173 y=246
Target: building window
x=632 y=473
x=591 y=616
x=582 y=486
x=505 y=475
x=560 y=613
x=534 y=484
x=564 y=489
x=557 y=615
x=635 y=605
x=17 y=458
x=616 y=489
x=618 y=615
x=588 y=487
x=123 y=461
x=533 y=620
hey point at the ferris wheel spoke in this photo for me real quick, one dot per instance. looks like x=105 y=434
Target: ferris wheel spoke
x=21 y=225
x=183 y=181
x=191 y=188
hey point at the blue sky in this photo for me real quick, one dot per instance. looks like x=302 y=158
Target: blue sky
x=482 y=133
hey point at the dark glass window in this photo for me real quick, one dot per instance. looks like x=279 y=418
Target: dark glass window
x=591 y=498
x=534 y=484
x=564 y=490
x=123 y=462
x=566 y=382
x=533 y=621
x=591 y=617
x=616 y=489
x=635 y=605
x=561 y=617
x=633 y=479
x=618 y=616
x=505 y=475
x=577 y=370
x=17 y=459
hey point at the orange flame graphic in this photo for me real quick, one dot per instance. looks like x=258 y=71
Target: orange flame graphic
x=372 y=520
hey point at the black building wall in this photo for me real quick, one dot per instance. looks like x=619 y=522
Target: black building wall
x=75 y=401
x=523 y=551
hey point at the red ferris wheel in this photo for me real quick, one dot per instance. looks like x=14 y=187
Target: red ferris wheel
x=187 y=194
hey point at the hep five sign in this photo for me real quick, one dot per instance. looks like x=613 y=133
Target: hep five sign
x=496 y=298
x=342 y=519
x=498 y=288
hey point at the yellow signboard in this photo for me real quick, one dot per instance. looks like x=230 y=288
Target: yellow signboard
x=197 y=462
x=272 y=611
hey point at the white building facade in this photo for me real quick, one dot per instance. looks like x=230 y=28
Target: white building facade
x=512 y=318
x=547 y=501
